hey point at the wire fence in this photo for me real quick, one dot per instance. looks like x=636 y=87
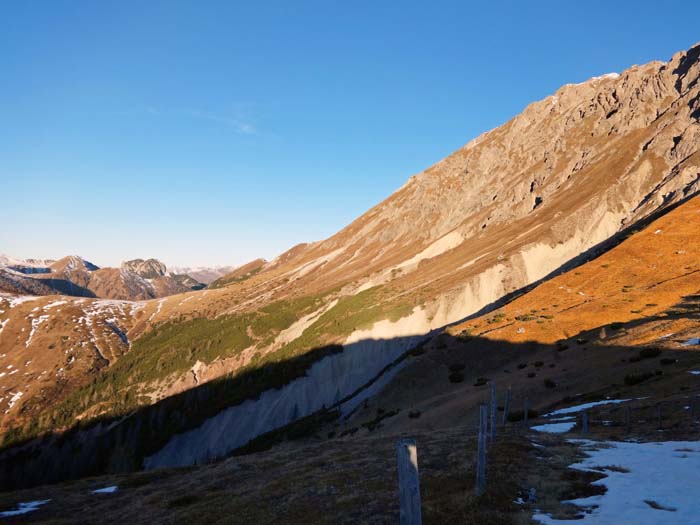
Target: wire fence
x=678 y=415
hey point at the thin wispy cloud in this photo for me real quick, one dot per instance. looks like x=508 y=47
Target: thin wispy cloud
x=238 y=125
x=244 y=128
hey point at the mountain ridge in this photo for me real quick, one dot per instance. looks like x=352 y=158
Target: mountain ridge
x=506 y=210
x=73 y=275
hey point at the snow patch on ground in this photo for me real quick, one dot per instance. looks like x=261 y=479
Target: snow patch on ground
x=13 y=400
x=660 y=473
x=35 y=324
x=555 y=428
x=55 y=303
x=160 y=305
x=24 y=508
x=584 y=406
x=106 y=490
x=15 y=300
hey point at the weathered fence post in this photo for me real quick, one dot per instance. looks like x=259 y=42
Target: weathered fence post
x=628 y=419
x=506 y=406
x=481 y=451
x=660 y=426
x=492 y=422
x=526 y=411
x=584 y=422
x=409 y=483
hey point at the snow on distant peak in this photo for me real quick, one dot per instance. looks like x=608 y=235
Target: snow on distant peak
x=607 y=75
x=8 y=260
x=75 y=262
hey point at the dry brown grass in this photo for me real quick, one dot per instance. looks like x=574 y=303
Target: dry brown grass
x=335 y=481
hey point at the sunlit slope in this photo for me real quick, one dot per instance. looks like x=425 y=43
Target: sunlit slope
x=511 y=206
x=641 y=291
x=625 y=324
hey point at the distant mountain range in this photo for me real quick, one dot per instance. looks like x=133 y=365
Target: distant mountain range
x=135 y=280
x=203 y=274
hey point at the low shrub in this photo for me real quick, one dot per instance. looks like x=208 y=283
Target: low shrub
x=184 y=500
x=456 y=377
x=649 y=353
x=517 y=415
x=381 y=416
x=635 y=379
x=414 y=414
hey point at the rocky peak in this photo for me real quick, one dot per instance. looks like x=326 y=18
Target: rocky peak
x=148 y=269
x=73 y=263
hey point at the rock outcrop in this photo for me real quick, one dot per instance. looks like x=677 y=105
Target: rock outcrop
x=148 y=269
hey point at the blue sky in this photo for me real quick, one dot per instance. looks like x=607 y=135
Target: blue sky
x=206 y=133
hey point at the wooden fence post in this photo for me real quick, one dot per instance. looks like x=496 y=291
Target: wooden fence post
x=492 y=422
x=506 y=406
x=481 y=451
x=526 y=411
x=628 y=419
x=584 y=422
x=409 y=483
x=660 y=426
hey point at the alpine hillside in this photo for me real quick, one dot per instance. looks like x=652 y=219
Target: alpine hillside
x=116 y=385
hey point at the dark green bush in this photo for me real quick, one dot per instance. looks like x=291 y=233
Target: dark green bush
x=517 y=415
x=456 y=377
x=649 y=353
x=635 y=379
